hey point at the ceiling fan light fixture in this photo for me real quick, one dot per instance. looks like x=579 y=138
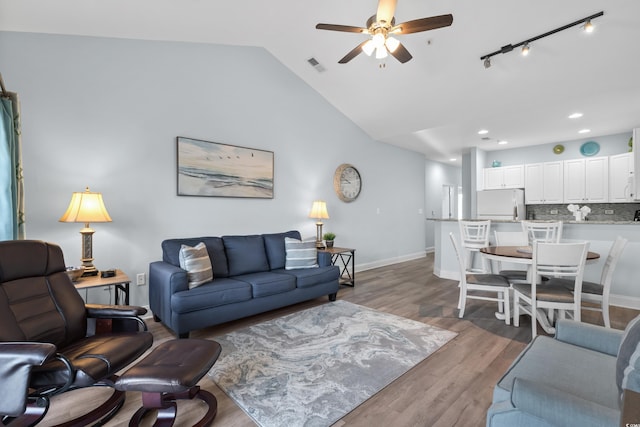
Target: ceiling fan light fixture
x=392 y=44
x=368 y=47
x=378 y=40
x=381 y=52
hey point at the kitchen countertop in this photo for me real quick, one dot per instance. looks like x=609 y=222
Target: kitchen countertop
x=506 y=221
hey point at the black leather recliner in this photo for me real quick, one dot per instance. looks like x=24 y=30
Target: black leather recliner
x=47 y=340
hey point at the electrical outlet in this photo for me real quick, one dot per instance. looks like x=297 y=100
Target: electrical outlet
x=608 y=211
x=553 y=212
x=140 y=279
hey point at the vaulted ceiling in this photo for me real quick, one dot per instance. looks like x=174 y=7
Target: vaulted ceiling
x=435 y=103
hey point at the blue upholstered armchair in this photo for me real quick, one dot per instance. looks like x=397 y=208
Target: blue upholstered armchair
x=578 y=378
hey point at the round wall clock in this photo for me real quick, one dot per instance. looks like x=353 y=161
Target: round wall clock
x=347 y=182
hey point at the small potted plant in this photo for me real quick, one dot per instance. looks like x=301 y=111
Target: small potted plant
x=328 y=239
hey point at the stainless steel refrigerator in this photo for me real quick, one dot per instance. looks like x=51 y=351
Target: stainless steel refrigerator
x=501 y=204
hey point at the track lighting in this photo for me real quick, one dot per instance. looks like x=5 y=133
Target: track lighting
x=588 y=27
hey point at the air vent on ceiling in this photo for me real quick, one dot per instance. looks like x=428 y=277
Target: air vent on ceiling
x=315 y=64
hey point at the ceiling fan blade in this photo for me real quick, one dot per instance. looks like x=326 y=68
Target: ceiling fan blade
x=386 y=10
x=343 y=28
x=355 y=52
x=423 y=24
x=401 y=54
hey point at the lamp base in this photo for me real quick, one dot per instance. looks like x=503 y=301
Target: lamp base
x=89 y=272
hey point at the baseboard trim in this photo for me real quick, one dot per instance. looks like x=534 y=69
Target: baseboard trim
x=389 y=261
x=624 y=301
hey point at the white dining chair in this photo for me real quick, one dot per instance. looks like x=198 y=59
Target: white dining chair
x=474 y=236
x=546 y=232
x=470 y=283
x=511 y=238
x=557 y=261
x=598 y=293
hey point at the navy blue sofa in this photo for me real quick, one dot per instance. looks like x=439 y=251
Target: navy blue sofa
x=249 y=278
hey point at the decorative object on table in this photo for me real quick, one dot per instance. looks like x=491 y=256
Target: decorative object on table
x=86 y=207
x=347 y=182
x=220 y=170
x=589 y=148
x=329 y=238
x=580 y=213
x=313 y=367
x=75 y=273
x=558 y=149
x=319 y=212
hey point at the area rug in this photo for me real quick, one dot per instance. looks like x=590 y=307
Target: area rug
x=313 y=367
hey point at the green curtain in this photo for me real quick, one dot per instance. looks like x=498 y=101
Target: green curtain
x=12 y=219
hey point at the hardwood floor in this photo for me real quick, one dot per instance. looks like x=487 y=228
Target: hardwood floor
x=452 y=387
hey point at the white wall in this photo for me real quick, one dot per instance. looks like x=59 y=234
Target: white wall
x=105 y=113
x=436 y=176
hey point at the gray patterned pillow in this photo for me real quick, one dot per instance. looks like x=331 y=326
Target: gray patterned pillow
x=300 y=254
x=197 y=263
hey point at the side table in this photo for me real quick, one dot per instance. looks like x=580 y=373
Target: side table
x=347 y=257
x=120 y=281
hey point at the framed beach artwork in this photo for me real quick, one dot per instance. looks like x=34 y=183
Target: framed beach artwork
x=221 y=170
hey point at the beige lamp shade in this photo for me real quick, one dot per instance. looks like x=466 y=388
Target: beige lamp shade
x=319 y=210
x=86 y=207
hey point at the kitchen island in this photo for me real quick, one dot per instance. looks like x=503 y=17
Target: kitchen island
x=625 y=290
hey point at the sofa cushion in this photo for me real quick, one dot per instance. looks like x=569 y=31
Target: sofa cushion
x=215 y=247
x=195 y=260
x=308 y=277
x=213 y=294
x=300 y=254
x=274 y=245
x=268 y=283
x=245 y=254
x=628 y=363
x=553 y=363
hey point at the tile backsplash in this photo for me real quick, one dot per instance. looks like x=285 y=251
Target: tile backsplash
x=621 y=211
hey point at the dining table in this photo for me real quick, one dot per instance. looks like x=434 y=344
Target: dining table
x=524 y=255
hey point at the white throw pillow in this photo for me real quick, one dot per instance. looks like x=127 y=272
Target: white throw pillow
x=300 y=254
x=197 y=263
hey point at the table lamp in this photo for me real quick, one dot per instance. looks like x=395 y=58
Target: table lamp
x=319 y=212
x=86 y=207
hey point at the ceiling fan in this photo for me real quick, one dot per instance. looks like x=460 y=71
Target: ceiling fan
x=381 y=27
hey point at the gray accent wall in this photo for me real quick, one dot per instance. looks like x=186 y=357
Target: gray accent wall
x=105 y=113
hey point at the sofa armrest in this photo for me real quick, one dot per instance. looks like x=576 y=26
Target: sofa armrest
x=592 y=337
x=165 y=280
x=16 y=361
x=560 y=408
x=324 y=259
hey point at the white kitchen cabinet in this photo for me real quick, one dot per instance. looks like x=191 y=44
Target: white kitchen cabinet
x=620 y=178
x=543 y=183
x=586 y=180
x=504 y=177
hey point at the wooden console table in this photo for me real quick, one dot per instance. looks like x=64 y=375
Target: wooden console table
x=347 y=257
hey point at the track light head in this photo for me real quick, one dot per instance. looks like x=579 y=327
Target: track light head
x=588 y=27
x=525 y=49
x=487 y=62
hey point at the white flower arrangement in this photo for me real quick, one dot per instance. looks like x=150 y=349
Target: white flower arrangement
x=580 y=213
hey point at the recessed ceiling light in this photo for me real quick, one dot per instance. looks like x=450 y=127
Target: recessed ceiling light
x=575 y=116
x=501 y=142
x=483 y=132
x=584 y=131
x=452 y=159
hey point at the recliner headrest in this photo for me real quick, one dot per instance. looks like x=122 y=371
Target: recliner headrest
x=29 y=258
